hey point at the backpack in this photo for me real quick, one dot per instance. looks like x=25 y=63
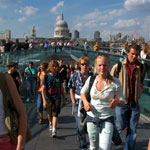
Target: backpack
x=82 y=110
x=119 y=69
x=11 y=114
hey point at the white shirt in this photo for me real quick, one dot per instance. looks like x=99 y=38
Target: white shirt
x=100 y=99
x=3 y=128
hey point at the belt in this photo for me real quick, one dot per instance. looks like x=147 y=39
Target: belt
x=4 y=135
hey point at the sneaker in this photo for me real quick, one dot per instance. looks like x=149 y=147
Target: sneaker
x=27 y=100
x=50 y=127
x=54 y=134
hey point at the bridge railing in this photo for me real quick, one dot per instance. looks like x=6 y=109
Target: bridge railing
x=23 y=57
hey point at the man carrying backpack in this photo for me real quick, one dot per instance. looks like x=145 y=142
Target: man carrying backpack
x=131 y=74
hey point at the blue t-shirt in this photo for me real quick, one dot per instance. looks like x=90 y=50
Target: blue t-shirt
x=53 y=86
x=33 y=71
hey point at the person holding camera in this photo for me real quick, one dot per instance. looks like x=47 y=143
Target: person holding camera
x=106 y=94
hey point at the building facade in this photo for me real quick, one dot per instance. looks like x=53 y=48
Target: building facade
x=5 y=34
x=76 y=34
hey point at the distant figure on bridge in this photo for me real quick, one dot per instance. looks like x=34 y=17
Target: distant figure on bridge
x=31 y=81
x=131 y=74
x=124 y=51
x=76 y=82
x=16 y=46
x=101 y=108
x=52 y=89
x=86 y=47
x=96 y=46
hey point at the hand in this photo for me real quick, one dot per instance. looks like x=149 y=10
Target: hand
x=113 y=103
x=87 y=106
x=44 y=104
x=19 y=147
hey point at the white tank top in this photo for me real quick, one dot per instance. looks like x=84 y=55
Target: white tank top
x=3 y=128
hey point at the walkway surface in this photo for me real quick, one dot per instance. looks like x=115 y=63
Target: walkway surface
x=66 y=136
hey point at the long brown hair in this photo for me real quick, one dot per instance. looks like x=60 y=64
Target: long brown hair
x=109 y=78
x=50 y=66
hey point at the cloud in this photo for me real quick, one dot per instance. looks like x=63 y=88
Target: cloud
x=137 y=5
x=91 y=24
x=103 y=23
x=105 y=15
x=78 y=26
x=26 y=12
x=125 y=23
x=116 y=12
x=9 y=3
x=55 y=8
x=22 y=19
x=145 y=28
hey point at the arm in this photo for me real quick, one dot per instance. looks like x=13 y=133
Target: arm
x=84 y=91
x=43 y=96
x=115 y=102
x=118 y=99
x=72 y=96
x=114 y=70
x=21 y=111
x=87 y=105
x=63 y=93
x=25 y=73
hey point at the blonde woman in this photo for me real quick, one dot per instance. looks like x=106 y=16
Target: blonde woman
x=52 y=89
x=101 y=109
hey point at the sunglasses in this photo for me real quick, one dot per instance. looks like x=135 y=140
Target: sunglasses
x=84 y=64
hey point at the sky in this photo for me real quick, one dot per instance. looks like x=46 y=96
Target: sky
x=109 y=17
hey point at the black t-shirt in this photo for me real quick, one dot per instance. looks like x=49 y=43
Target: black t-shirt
x=7 y=47
x=14 y=75
x=64 y=72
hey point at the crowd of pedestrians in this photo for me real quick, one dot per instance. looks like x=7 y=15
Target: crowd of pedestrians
x=109 y=99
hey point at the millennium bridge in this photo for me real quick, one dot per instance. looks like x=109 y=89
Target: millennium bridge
x=66 y=139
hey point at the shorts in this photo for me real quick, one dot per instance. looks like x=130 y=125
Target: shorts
x=5 y=144
x=53 y=107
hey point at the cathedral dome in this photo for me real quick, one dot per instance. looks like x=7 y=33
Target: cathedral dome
x=61 y=28
x=61 y=23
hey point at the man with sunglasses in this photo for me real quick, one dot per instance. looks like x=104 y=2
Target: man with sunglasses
x=76 y=82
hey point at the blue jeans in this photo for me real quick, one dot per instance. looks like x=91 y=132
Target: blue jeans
x=100 y=140
x=119 y=120
x=39 y=103
x=31 y=89
x=130 y=116
x=80 y=129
